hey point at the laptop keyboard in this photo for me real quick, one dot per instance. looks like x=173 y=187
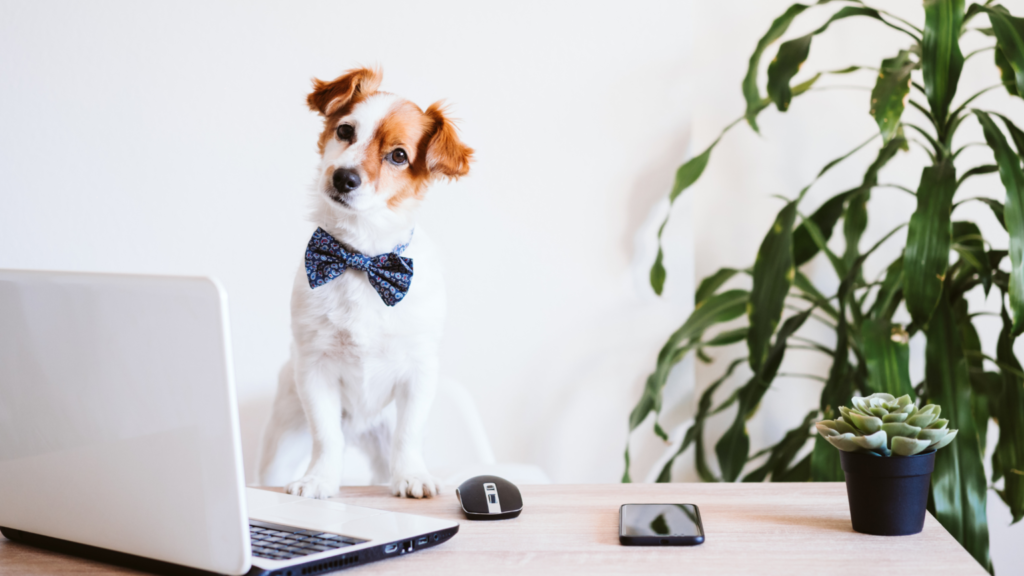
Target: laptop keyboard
x=277 y=542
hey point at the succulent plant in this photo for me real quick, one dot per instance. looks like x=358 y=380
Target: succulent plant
x=883 y=425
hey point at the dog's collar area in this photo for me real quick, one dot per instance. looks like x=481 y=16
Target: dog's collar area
x=389 y=274
x=347 y=248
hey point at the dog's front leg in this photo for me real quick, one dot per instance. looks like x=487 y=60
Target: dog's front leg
x=320 y=394
x=409 y=475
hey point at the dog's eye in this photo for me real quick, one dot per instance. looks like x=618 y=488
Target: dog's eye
x=346 y=132
x=398 y=157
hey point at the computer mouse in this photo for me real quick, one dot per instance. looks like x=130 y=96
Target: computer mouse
x=489 y=498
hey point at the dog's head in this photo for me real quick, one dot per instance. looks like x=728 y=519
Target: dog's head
x=380 y=152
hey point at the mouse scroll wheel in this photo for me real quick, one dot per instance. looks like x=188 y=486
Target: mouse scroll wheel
x=493 y=498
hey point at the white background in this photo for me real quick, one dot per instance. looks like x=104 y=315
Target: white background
x=174 y=139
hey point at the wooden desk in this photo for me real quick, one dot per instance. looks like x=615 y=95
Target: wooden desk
x=763 y=529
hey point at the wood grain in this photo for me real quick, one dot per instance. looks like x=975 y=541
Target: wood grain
x=763 y=529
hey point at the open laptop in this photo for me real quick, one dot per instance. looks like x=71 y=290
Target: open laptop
x=119 y=438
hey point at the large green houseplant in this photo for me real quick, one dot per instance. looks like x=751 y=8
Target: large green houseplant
x=942 y=261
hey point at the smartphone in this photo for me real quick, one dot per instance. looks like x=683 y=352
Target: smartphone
x=660 y=525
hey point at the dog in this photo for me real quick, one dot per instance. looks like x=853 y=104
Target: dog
x=363 y=369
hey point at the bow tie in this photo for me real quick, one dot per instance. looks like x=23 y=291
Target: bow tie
x=389 y=274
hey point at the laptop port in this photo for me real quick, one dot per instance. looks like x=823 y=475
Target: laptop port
x=406 y=546
x=391 y=548
x=422 y=541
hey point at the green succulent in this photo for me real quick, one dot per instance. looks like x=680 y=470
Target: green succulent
x=883 y=425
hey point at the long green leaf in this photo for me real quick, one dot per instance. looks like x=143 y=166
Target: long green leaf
x=783 y=453
x=686 y=175
x=1007 y=74
x=793 y=53
x=826 y=216
x=969 y=243
x=981 y=382
x=821 y=243
x=855 y=220
x=890 y=293
x=1009 y=31
x=941 y=59
x=1010 y=412
x=712 y=283
x=717 y=309
x=838 y=387
x=787 y=63
x=732 y=448
x=977 y=171
x=958 y=482
x=813 y=295
x=691 y=170
x=842 y=377
x=996 y=206
x=888 y=357
x=890 y=93
x=695 y=432
x=1015 y=133
x=750 y=90
x=1013 y=180
x=773 y=274
x=929 y=237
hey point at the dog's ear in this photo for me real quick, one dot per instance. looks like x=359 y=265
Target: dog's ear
x=327 y=97
x=446 y=154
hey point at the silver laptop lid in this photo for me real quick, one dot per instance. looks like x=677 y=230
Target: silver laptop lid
x=118 y=422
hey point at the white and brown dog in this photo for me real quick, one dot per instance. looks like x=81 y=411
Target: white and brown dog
x=363 y=371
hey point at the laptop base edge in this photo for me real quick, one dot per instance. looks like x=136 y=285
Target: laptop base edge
x=104 y=555
x=151 y=566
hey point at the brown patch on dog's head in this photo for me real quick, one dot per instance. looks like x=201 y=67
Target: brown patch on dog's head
x=335 y=99
x=438 y=152
x=446 y=155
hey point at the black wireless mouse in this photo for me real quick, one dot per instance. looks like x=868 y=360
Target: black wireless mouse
x=489 y=498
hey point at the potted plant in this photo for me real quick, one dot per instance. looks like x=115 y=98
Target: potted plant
x=887 y=449
x=946 y=262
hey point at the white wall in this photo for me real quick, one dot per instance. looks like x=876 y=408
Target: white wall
x=173 y=138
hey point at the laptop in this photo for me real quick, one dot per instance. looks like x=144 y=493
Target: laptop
x=119 y=438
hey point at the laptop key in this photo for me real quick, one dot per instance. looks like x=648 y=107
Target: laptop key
x=319 y=547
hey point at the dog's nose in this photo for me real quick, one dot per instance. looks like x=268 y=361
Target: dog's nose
x=346 y=180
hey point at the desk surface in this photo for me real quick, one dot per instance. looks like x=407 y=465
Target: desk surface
x=763 y=529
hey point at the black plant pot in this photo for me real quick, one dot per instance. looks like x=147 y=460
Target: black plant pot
x=888 y=496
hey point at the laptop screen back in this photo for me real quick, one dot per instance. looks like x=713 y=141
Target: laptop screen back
x=118 y=424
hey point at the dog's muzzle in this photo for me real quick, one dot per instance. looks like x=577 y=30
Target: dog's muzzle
x=346 y=180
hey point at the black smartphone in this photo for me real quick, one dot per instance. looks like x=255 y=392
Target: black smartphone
x=660 y=525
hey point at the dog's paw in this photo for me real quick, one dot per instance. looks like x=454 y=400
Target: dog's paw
x=415 y=485
x=312 y=487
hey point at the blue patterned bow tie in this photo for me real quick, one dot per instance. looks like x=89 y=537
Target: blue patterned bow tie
x=389 y=274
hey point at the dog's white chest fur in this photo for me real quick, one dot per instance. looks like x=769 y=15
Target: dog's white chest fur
x=368 y=345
